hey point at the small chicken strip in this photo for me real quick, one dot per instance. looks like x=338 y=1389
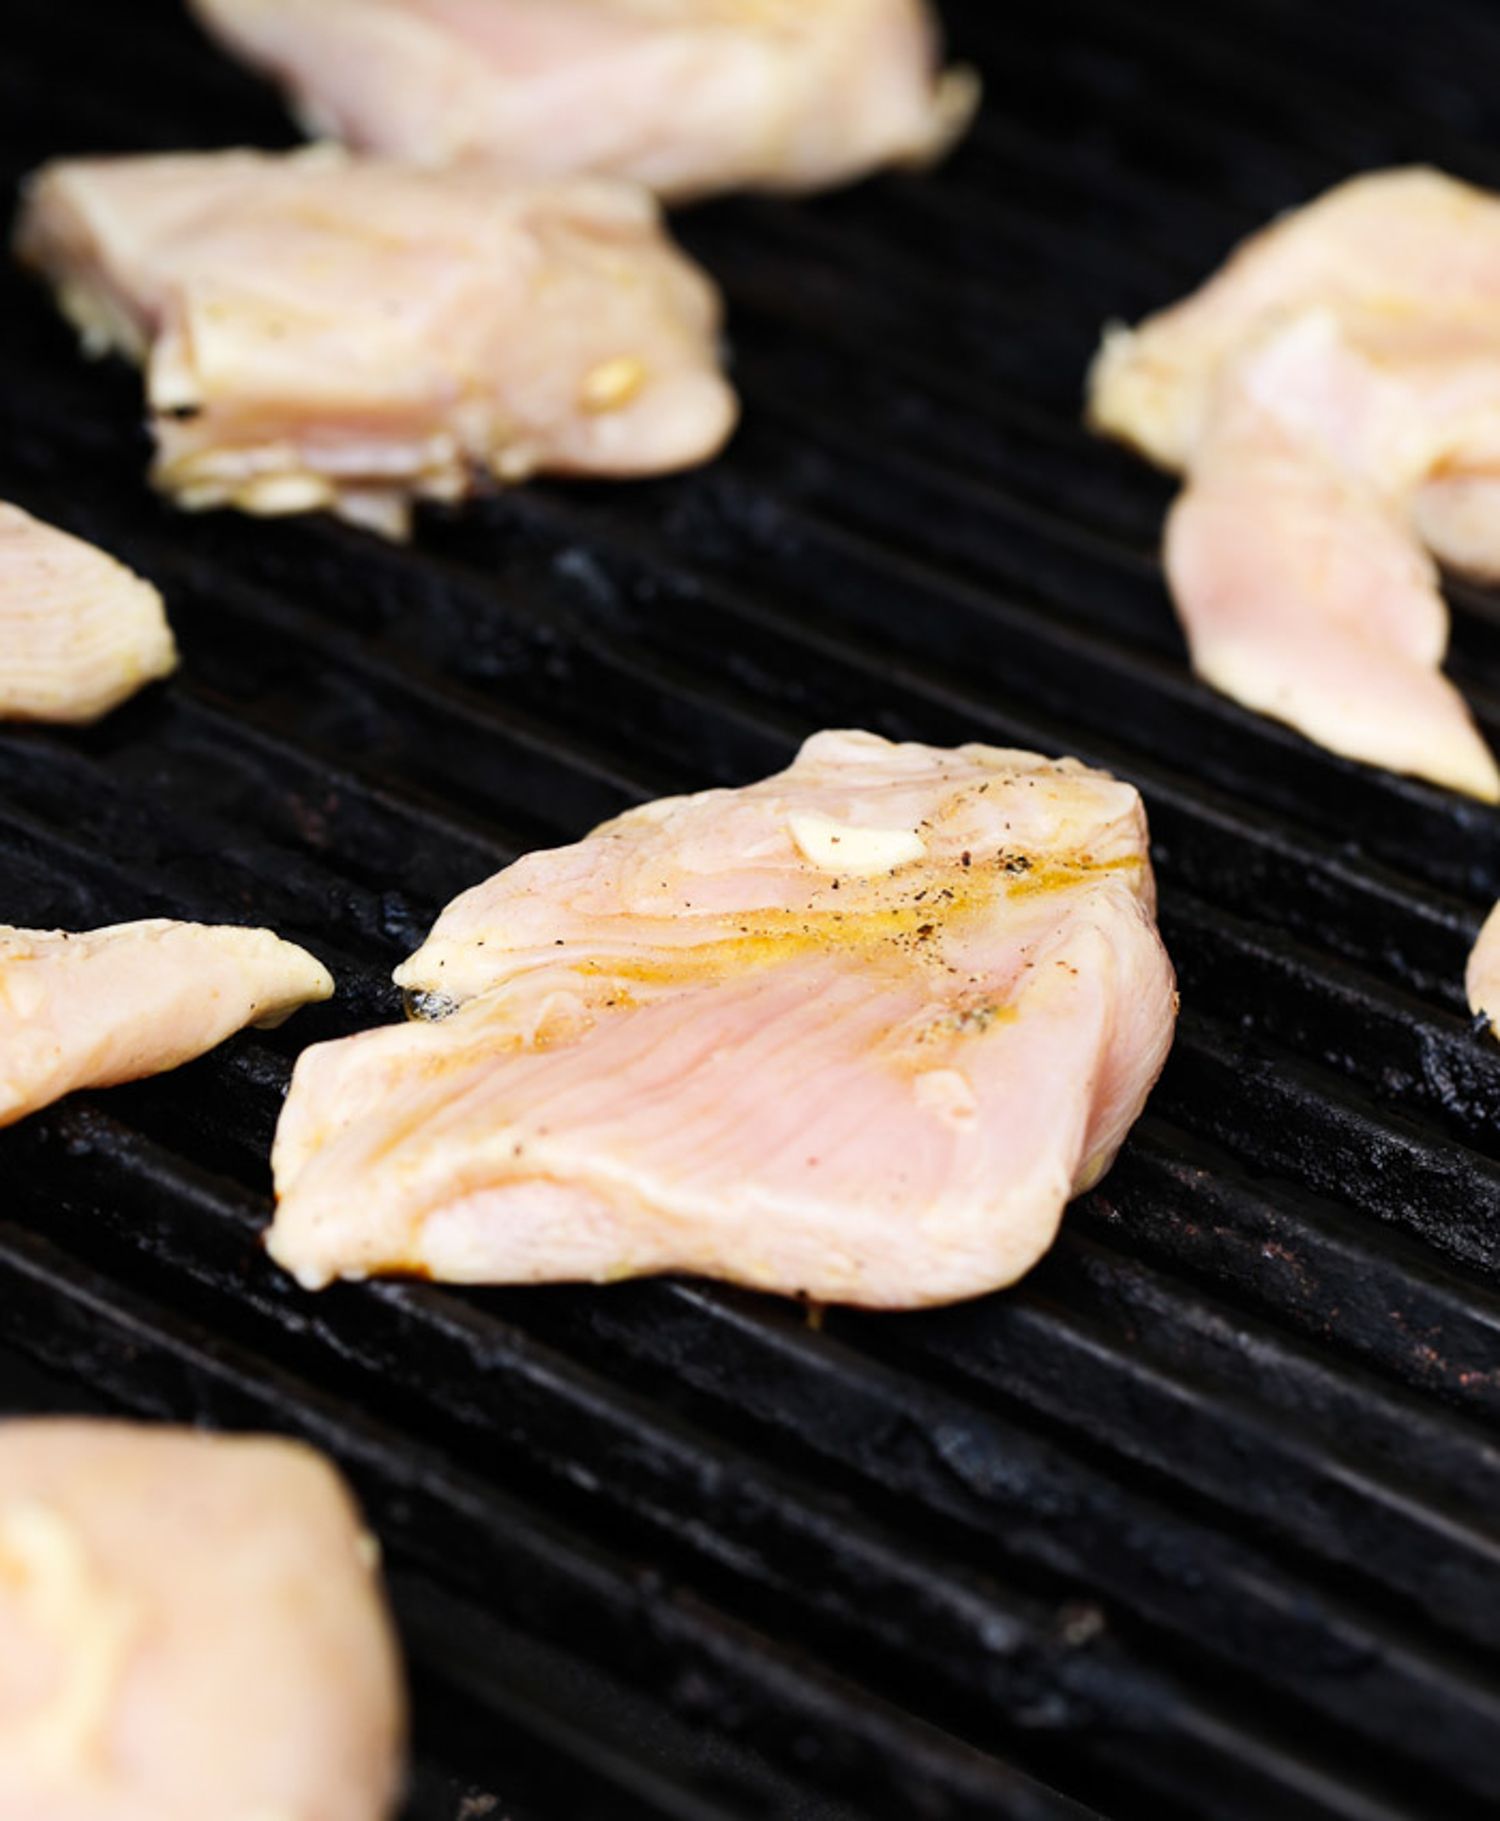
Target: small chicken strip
x=685 y=96
x=93 y=1009
x=1327 y=395
x=191 y=1626
x=322 y=332
x=79 y=634
x=857 y=1031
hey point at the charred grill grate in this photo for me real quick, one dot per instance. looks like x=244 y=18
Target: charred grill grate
x=1198 y=1521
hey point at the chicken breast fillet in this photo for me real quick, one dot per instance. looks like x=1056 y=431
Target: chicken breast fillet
x=685 y=96
x=190 y=1626
x=858 y=1031
x=1333 y=396
x=78 y=632
x=93 y=1009
x=326 y=332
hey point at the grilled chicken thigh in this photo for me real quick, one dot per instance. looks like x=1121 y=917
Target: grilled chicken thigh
x=326 y=332
x=190 y=1626
x=109 y=1005
x=685 y=96
x=857 y=1031
x=1333 y=396
x=78 y=632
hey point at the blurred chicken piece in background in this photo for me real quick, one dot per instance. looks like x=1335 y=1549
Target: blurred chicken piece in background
x=689 y=97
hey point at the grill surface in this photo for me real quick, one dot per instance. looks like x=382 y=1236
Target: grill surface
x=1196 y=1522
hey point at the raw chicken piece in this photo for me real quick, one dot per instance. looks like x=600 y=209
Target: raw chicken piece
x=1483 y=977
x=1334 y=397
x=320 y=331
x=191 y=1626
x=685 y=96
x=78 y=632
x=111 y=1005
x=1290 y=553
x=857 y=1031
x=1458 y=518
x=1407 y=260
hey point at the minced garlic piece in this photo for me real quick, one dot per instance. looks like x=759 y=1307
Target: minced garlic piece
x=272 y=495
x=840 y=847
x=613 y=383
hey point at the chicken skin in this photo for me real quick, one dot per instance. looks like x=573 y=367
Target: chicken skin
x=190 y=1625
x=103 y=1006
x=323 y=332
x=687 y=97
x=857 y=1031
x=1333 y=398
x=79 y=634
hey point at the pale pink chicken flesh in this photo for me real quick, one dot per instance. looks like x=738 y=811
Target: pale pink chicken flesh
x=190 y=1626
x=858 y=1031
x=1458 y=519
x=1333 y=397
x=79 y=634
x=1482 y=980
x=685 y=96
x=103 y=1006
x=323 y=332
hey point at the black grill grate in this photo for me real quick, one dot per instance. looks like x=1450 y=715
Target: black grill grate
x=1199 y=1520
